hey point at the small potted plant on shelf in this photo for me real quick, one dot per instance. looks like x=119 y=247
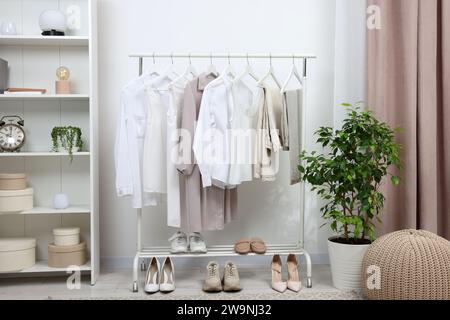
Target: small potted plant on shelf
x=348 y=177
x=67 y=139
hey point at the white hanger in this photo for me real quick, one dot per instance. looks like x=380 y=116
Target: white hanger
x=152 y=71
x=170 y=71
x=188 y=73
x=229 y=71
x=248 y=71
x=270 y=74
x=293 y=73
x=211 y=70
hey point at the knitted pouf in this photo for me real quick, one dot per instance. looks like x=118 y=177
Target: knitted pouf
x=411 y=264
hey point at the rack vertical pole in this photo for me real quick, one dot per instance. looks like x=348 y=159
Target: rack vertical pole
x=139 y=221
x=303 y=184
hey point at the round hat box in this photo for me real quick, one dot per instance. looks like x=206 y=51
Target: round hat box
x=16 y=200
x=17 y=254
x=65 y=256
x=13 y=181
x=66 y=236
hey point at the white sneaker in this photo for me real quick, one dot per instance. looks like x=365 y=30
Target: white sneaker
x=152 y=277
x=179 y=243
x=196 y=243
x=167 y=279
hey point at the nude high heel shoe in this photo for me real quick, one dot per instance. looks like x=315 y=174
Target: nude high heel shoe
x=293 y=282
x=152 y=277
x=277 y=283
x=167 y=276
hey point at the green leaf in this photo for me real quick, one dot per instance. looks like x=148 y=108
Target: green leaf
x=395 y=180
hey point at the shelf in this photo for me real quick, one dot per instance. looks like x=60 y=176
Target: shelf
x=83 y=209
x=44 y=97
x=42 y=267
x=43 y=154
x=215 y=252
x=69 y=41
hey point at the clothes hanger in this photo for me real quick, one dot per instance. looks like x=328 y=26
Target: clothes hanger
x=248 y=71
x=187 y=74
x=292 y=74
x=211 y=69
x=229 y=71
x=152 y=71
x=170 y=71
x=270 y=74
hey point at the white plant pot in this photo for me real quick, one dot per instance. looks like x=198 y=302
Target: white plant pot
x=346 y=264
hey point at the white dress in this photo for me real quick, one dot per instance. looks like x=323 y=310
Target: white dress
x=155 y=144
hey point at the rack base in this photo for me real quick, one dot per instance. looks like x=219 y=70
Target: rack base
x=222 y=251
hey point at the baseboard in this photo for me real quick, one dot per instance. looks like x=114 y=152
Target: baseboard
x=184 y=263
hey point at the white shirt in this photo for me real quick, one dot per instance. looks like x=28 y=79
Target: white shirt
x=129 y=144
x=217 y=148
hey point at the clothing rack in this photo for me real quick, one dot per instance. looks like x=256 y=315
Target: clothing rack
x=144 y=253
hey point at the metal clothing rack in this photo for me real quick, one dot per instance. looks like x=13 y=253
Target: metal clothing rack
x=144 y=253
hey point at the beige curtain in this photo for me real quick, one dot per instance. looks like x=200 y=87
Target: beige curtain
x=409 y=87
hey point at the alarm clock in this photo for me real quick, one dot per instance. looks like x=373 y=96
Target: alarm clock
x=12 y=134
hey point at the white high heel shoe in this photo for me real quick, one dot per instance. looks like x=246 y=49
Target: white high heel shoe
x=152 y=277
x=167 y=276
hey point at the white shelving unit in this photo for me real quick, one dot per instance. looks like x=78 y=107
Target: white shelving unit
x=42 y=154
x=65 y=97
x=33 y=60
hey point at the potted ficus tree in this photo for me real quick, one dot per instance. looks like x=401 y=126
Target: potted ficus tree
x=67 y=139
x=348 y=177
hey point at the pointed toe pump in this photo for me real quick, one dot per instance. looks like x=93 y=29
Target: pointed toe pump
x=293 y=282
x=277 y=283
x=167 y=276
x=152 y=277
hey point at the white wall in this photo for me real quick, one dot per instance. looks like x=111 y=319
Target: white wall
x=219 y=26
x=350 y=58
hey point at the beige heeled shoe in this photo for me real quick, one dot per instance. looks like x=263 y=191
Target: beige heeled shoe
x=293 y=282
x=277 y=283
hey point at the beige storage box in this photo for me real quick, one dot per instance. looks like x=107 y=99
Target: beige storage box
x=17 y=254
x=65 y=256
x=66 y=236
x=13 y=181
x=16 y=200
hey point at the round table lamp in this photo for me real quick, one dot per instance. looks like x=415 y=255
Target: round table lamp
x=63 y=84
x=53 y=23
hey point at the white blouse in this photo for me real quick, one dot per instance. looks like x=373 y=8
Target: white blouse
x=219 y=142
x=129 y=144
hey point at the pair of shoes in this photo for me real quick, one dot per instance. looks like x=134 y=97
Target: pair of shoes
x=247 y=245
x=160 y=278
x=179 y=243
x=293 y=283
x=229 y=283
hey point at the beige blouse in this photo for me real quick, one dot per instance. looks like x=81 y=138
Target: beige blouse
x=268 y=145
x=202 y=209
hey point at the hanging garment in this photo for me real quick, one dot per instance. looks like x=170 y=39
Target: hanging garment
x=129 y=144
x=176 y=93
x=224 y=137
x=290 y=132
x=242 y=135
x=268 y=145
x=202 y=209
x=155 y=143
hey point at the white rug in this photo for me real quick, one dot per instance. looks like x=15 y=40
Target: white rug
x=303 y=295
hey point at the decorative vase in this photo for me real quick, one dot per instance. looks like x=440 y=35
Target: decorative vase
x=60 y=201
x=346 y=264
x=53 y=23
x=9 y=28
